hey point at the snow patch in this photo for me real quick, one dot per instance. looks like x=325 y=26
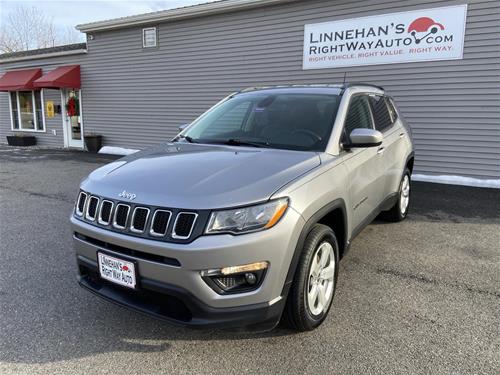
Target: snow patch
x=457 y=180
x=110 y=150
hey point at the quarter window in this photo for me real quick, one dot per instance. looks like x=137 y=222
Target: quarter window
x=381 y=113
x=26 y=111
x=392 y=109
x=149 y=37
x=358 y=115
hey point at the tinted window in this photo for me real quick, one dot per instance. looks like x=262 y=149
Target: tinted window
x=392 y=109
x=381 y=113
x=358 y=115
x=230 y=121
x=296 y=121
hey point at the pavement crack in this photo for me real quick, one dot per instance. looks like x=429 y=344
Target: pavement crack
x=425 y=280
x=420 y=278
x=57 y=197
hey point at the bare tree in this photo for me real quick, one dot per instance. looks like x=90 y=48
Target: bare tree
x=68 y=35
x=28 y=28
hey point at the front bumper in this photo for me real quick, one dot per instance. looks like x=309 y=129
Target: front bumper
x=171 y=286
x=176 y=305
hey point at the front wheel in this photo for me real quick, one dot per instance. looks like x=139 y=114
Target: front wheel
x=313 y=288
x=399 y=211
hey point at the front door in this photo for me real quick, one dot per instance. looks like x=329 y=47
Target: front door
x=72 y=118
x=366 y=175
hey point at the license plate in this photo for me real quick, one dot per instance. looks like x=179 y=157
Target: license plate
x=116 y=270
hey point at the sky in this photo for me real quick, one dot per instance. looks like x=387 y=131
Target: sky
x=73 y=12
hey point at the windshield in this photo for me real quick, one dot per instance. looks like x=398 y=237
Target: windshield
x=294 y=121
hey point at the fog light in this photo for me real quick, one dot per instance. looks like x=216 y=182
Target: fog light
x=236 y=279
x=250 y=278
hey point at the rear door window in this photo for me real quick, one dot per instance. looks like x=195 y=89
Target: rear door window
x=381 y=115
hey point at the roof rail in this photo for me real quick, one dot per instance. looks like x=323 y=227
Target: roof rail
x=351 y=84
x=313 y=85
x=342 y=87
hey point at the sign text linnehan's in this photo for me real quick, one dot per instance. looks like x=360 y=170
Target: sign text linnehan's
x=422 y=35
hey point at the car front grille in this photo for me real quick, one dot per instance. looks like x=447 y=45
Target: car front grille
x=80 y=204
x=121 y=216
x=92 y=208
x=105 y=213
x=139 y=220
x=160 y=222
x=184 y=224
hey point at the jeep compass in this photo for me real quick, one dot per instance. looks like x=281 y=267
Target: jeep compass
x=241 y=220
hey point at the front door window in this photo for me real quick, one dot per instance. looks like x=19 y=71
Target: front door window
x=73 y=119
x=73 y=111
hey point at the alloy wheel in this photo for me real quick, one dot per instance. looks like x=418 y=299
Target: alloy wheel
x=320 y=283
x=404 y=198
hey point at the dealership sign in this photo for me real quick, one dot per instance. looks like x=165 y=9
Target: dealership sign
x=421 y=35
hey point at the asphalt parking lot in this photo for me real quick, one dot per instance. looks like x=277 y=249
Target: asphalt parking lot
x=422 y=296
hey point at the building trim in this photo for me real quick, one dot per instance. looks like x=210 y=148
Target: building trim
x=43 y=56
x=216 y=7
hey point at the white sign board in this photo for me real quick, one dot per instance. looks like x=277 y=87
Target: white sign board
x=420 y=35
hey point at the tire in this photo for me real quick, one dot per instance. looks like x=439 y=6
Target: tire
x=300 y=314
x=399 y=211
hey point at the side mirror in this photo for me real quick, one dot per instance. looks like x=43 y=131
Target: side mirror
x=364 y=138
x=182 y=127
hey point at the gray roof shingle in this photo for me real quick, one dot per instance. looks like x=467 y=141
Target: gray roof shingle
x=43 y=51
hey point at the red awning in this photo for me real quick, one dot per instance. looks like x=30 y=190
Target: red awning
x=64 y=76
x=19 y=79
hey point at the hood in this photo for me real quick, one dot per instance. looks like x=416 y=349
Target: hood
x=196 y=176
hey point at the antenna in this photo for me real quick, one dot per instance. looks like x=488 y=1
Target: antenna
x=345 y=75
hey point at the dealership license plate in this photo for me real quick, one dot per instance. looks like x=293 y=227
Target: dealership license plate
x=116 y=270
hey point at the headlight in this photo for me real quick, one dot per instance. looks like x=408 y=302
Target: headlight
x=247 y=219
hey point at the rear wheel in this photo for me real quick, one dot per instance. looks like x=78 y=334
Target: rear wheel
x=313 y=288
x=399 y=211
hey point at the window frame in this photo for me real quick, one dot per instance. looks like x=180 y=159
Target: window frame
x=385 y=98
x=144 y=29
x=35 y=119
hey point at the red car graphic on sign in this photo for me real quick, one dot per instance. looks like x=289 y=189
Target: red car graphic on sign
x=422 y=25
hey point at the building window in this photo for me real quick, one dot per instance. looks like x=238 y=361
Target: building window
x=14 y=114
x=149 y=37
x=26 y=111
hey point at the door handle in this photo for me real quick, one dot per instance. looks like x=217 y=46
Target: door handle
x=401 y=135
x=381 y=150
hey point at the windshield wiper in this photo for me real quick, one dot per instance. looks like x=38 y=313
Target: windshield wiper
x=186 y=137
x=239 y=142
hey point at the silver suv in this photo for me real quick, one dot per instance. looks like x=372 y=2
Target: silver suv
x=241 y=219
